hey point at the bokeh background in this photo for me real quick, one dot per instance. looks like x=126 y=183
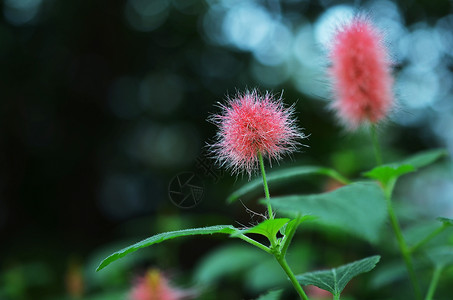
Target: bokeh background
x=104 y=102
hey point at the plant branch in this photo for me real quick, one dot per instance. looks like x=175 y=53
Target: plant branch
x=433 y=283
x=254 y=243
x=429 y=237
x=266 y=188
x=282 y=261
x=401 y=242
x=289 y=236
x=377 y=148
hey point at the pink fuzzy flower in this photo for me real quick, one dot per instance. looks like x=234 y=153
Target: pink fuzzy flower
x=250 y=124
x=361 y=73
x=154 y=286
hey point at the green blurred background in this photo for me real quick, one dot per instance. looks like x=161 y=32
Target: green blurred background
x=104 y=102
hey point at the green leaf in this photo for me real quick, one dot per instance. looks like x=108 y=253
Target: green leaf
x=446 y=221
x=268 y=228
x=226 y=229
x=425 y=158
x=335 y=280
x=388 y=273
x=296 y=222
x=282 y=175
x=219 y=263
x=358 y=208
x=272 y=295
x=387 y=172
x=441 y=256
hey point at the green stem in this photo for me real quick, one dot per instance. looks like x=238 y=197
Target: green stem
x=336 y=297
x=337 y=176
x=401 y=242
x=282 y=261
x=377 y=148
x=255 y=243
x=433 y=283
x=266 y=188
x=289 y=236
x=428 y=238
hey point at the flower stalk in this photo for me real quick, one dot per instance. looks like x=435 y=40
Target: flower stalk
x=266 y=187
x=405 y=252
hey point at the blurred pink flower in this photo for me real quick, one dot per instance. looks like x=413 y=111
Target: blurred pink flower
x=315 y=292
x=361 y=74
x=250 y=124
x=154 y=286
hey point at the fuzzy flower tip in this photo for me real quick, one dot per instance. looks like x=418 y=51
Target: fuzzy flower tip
x=250 y=124
x=154 y=286
x=361 y=73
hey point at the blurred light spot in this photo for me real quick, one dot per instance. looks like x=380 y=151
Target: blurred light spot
x=165 y=146
x=212 y=25
x=161 y=93
x=386 y=15
x=123 y=98
x=227 y=3
x=270 y=76
x=274 y=49
x=417 y=90
x=423 y=47
x=306 y=50
x=384 y=9
x=435 y=196
x=406 y=117
x=147 y=15
x=21 y=12
x=445 y=29
x=330 y=21
x=246 y=26
x=122 y=196
x=445 y=121
x=311 y=81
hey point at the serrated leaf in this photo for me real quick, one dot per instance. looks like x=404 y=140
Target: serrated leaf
x=358 y=208
x=268 y=228
x=272 y=295
x=387 y=172
x=446 y=221
x=335 y=280
x=274 y=177
x=219 y=264
x=441 y=256
x=226 y=229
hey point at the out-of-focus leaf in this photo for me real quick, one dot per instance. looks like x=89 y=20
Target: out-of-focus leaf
x=268 y=228
x=272 y=295
x=425 y=158
x=335 y=280
x=387 y=172
x=441 y=256
x=446 y=221
x=281 y=175
x=388 y=273
x=416 y=233
x=220 y=263
x=226 y=229
x=358 y=208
